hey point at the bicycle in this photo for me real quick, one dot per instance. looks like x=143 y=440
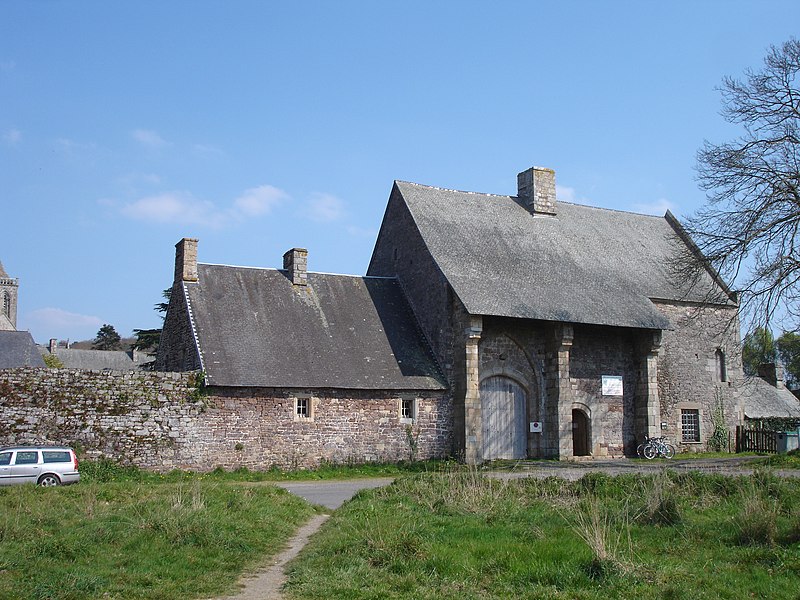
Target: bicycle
x=653 y=447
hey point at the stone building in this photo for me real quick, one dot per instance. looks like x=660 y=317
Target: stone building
x=528 y=327
x=334 y=366
x=9 y=290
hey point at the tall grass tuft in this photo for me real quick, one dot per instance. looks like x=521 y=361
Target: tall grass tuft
x=605 y=534
x=661 y=505
x=757 y=520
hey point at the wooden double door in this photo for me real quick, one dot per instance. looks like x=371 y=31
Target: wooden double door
x=504 y=417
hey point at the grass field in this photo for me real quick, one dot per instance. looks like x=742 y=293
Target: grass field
x=138 y=540
x=462 y=535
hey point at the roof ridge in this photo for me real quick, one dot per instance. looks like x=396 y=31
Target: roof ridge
x=559 y=201
x=310 y=272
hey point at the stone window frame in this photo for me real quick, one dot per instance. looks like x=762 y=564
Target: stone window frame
x=304 y=408
x=7 y=305
x=407 y=405
x=696 y=408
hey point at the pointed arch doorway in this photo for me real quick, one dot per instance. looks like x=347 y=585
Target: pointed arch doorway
x=503 y=416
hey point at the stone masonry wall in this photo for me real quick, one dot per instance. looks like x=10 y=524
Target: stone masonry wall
x=686 y=369
x=177 y=336
x=161 y=421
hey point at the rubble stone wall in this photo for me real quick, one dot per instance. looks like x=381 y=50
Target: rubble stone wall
x=165 y=421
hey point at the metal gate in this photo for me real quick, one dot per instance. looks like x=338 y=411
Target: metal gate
x=504 y=416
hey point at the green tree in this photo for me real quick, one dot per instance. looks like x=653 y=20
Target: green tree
x=748 y=229
x=758 y=347
x=147 y=339
x=107 y=339
x=789 y=352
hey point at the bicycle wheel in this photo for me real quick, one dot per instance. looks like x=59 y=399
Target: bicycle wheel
x=669 y=450
x=650 y=452
x=640 y=450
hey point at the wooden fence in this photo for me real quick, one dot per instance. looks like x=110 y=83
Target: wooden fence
x=756 y=440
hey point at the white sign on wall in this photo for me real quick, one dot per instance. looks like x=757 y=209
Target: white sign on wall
x=612 y=385
x=536 y=427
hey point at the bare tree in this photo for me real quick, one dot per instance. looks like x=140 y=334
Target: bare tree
x=748 y=230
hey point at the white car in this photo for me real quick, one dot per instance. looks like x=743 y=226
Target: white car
x=43 y=465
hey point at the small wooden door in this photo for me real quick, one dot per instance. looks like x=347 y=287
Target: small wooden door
x=580 y=433
x=504 y=417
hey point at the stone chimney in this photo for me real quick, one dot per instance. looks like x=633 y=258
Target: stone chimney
x=295 y=261
x=53 y=345
x=186 y=260
x=536 y=187
x=772 y=373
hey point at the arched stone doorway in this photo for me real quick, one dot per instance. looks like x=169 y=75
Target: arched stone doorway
x=503 y=416
x=580 y=433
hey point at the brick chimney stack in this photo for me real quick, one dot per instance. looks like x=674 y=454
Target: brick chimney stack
x=295 y=261
x=53 y=345
x=536 y=187
x=186 y=260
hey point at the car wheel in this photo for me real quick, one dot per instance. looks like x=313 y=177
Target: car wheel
x=49 y=481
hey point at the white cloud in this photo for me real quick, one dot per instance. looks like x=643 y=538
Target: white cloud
x=259 y=200
x=183 y=208
x=12 y=136
x=174 y=207
x=568 y=194
x=324 y=208
x=148 y=137
x=46 y=323
x=656 y=207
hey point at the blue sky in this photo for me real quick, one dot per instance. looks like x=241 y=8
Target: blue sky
x=260 y=126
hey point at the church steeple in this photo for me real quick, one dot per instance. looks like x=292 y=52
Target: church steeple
x=8 y=301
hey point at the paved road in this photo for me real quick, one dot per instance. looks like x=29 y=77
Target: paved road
x=332 y=494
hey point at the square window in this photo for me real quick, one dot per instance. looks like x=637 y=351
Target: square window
x=690 y=425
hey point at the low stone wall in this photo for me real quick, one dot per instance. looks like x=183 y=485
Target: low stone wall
x=163 y=421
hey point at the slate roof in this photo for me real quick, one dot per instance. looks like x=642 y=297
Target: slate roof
x=100 y=360
x=585 y=265
x=253 y=328
x=17 y=349
x=763 y=400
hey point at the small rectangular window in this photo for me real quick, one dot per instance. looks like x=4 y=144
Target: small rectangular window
x=301 y=407
x=5 y=458
x=407 y=409
x=690 y=425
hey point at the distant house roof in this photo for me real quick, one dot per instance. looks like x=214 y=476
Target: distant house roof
x=99 y=360
x=764 y=401
x=583 y=265
x=254 y=328
x=17 y=349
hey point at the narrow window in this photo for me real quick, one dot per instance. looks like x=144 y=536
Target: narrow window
x=721 y=367
x=407 y=408
x=690 y=425
x=6 y=305
x=301 y=408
